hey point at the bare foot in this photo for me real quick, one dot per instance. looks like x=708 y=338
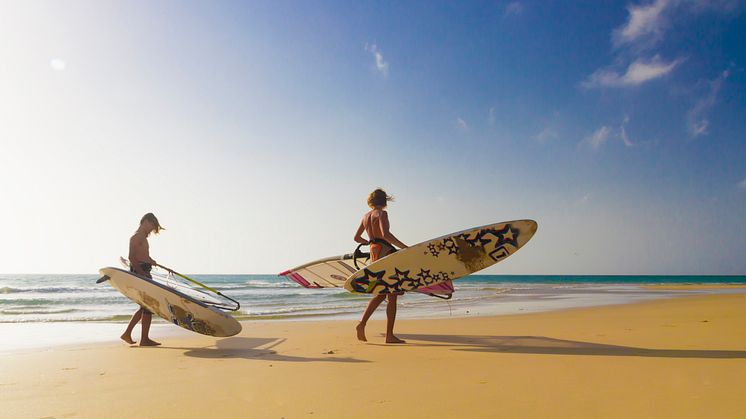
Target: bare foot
x=361 y=332
x=394 y=339
x=148 y=342
x=127 y=339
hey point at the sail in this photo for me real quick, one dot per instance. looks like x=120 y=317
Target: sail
x=332 y=272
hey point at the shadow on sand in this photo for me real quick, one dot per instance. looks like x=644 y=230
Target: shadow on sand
x=252 y=348
x=551 y=346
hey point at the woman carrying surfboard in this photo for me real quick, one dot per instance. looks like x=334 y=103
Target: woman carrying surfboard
x=141 y=263
x=375 y=223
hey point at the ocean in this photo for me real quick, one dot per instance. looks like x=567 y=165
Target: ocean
x=77 y=298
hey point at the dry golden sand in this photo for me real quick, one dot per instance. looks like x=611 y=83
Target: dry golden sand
x=683 y=357
x=694 y=287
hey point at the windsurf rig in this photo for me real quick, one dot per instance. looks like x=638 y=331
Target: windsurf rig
x=332 y=272
x=188 y=286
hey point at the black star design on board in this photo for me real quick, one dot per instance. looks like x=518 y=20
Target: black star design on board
x=433 y=250
x=509 y=235
x=400 y=276
x=451 y=246
x=482 y=240
x=421 y=278
x=361 y=284
x=471 y=241
x=405 y=281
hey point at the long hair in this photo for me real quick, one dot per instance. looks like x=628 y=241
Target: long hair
x=379 y=198
x=152 y=218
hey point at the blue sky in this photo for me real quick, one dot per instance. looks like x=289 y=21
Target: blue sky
x=256 y=130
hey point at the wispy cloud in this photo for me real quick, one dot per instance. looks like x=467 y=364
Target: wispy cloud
x=598 y=138
x=583 y=199
x=742 y=184
x=697 y=121
x=608 y=133
x=623 y=132
x=648 y=21
x=462 y=124
x=491 y=116
x=381 y=65
x=547 y=134
x=645 y=22
x=638 y=72
x=514 y=8
x=625 y=138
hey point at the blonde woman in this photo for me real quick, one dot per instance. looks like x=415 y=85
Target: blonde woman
x=375 y=223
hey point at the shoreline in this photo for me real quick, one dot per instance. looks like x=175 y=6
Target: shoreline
x=65 y=298
x=46 y=336
x=678 y=357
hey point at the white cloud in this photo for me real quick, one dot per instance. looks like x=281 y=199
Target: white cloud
x=514 y=8
x=546 y=134
x=623 y=132
x=491 y=117
x=638 y=72
x=462 y=124
x=584 y=199
x=598 y=138
x=742 y=184
x=57 y=64
x=625 y=138
x=645 y=22
x=606 y=133
x=697 y=128
x=697 y=121
x=381 y=65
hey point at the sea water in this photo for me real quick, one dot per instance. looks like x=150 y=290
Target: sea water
x=66 y=298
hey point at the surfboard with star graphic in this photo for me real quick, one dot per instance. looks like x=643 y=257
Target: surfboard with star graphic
x=441 y=259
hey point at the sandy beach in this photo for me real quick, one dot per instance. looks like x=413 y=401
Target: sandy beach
x=694 y=287
x=682 y=357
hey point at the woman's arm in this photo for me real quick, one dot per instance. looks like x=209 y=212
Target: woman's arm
x=387 y=235
x=358 y=236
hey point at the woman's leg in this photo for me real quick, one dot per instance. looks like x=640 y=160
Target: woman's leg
x=372 y=306
x=391 y=319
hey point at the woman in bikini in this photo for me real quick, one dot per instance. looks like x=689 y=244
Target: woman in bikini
x=376 y=224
